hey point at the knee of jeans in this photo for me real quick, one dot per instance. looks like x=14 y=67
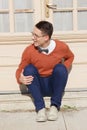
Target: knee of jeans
x=30 y=70
x=59 y=68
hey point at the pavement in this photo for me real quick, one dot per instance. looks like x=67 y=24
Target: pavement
x=17 y=112
x=67 y=120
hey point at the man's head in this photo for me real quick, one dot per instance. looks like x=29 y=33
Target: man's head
x=46 y=28
x=42 y=33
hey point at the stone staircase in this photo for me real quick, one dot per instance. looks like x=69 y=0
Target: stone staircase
x=23 y=102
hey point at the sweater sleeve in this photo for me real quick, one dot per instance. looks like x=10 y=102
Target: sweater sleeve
x=69 y=57
x=25 y=60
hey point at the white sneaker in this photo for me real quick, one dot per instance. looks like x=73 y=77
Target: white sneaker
x=41 y=115
x=53 y=113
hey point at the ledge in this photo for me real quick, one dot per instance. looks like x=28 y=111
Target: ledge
x=23 y=102
x=13 y=39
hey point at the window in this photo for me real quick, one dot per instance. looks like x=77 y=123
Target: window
x=70 y=15
x=19 y=16
x=82 y=14
x=4 y=16
x=16 y=16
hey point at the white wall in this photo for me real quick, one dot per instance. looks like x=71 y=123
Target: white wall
x=10 y=55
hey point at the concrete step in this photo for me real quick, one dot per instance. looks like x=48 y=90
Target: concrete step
x=23 y=102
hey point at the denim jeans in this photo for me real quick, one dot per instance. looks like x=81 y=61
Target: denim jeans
x=52 y=86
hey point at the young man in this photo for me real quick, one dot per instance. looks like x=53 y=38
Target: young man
x=42 y=70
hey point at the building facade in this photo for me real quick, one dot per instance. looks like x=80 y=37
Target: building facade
x=17 y=18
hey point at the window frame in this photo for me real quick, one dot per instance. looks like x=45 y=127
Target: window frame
x=22 y=37
x=75 y=35
x=75 y=9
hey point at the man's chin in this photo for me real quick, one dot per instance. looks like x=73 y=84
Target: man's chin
x=35 y=44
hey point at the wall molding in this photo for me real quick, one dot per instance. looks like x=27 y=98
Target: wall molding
x=26 y=39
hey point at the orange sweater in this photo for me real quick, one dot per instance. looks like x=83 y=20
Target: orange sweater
x=45 y=63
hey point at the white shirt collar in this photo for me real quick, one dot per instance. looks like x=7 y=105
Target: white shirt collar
x=51 y=47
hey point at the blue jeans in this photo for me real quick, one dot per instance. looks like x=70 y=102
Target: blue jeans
x=52 y=86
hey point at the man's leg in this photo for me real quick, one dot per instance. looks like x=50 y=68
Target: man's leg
x=59 y=80
x=58 y=83
x=35 y=90
x=34 y=87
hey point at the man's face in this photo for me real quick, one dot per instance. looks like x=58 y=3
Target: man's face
x=39 y=38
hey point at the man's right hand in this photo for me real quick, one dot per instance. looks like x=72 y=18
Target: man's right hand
x=26 y=80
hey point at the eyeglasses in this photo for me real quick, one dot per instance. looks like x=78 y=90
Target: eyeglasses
x=37 y=36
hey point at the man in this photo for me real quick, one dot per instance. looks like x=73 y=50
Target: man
x=43 y=72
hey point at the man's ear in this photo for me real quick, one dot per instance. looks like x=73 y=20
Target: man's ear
x=46 y=37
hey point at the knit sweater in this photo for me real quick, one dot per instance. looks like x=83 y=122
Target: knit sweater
x=45 y=63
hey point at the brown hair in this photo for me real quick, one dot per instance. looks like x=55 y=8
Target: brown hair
x=46 y=27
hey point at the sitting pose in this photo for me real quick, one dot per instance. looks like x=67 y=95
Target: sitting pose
x=44 y=70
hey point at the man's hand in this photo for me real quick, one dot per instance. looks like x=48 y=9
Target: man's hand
x=25 y=79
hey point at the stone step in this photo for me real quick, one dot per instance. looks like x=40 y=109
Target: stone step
x=23 y=102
